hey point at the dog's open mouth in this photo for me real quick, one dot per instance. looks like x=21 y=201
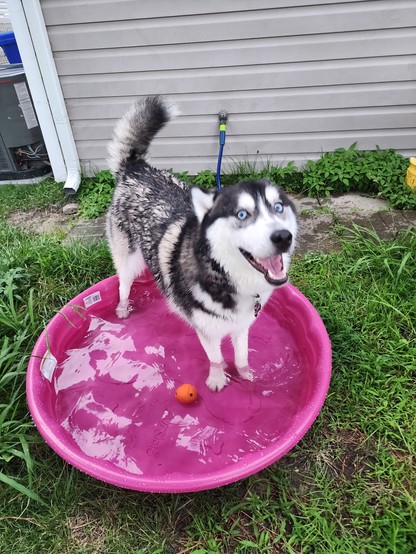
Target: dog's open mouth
x=272 y=268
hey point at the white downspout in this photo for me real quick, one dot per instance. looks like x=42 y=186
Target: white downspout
x=33 y=42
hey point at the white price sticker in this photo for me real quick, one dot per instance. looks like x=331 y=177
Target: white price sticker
x=92 y=299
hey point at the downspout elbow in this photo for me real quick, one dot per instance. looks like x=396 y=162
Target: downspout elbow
x=73 y=180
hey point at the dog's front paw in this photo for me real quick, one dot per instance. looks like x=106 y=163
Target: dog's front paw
x=122 y=310
x=246 y=373
x=217 y=380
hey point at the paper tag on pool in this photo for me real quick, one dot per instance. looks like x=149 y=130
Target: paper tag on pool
x=92 y=299
x=47 y=366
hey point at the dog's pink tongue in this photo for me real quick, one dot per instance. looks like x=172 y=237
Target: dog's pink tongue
x=274 y=265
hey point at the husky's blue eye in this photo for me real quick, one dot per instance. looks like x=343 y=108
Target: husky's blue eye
x=278 y=207
x=242 y=215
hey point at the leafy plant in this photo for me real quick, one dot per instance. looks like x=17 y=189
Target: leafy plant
x=182 y=176
x=95 y=194
x=289 y=177
x=387 y=170
x=375 y=171
x=205 y=179
x=15 y=314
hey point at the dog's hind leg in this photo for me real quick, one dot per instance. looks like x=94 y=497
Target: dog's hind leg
x=217 y=378
x=240 y=344
x=129 y=266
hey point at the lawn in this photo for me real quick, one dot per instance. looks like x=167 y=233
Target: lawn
x=348 y=487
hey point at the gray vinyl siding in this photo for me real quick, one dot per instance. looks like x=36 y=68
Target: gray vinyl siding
x=3 y=9
x=299 y=77
x=5 y=27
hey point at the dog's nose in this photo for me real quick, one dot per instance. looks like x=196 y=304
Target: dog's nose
x=282 y=239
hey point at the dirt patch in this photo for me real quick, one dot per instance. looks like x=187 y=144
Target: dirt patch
x=41 y=221
x=341 y=456
x=87 y=533
x=356 y=455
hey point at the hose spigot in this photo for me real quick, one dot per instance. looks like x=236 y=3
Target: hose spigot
x=223 y=116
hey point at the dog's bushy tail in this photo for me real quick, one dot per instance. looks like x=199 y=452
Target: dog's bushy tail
x=135 y=130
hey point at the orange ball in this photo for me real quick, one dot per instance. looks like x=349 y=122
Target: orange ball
x=186 y=393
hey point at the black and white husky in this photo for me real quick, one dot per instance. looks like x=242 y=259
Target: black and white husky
x=216 y=256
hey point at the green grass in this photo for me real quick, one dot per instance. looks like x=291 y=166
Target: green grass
x=348 y=487
x=39 y=196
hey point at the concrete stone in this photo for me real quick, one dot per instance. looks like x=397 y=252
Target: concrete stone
x=70 y=209
x=355 y=204
x=316 y=233
x=387 y=224
x=87 y=231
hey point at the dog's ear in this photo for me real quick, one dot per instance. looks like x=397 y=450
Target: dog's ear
x=202 y=202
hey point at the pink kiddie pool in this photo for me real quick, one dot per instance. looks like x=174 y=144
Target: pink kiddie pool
x=102 y=390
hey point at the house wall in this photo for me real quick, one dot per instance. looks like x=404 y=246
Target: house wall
x=298 y=77
x=5 y=27
x=3 y=9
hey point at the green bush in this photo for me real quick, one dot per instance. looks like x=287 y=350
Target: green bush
x=95 y=194
x=288 y=177
x=205 y=179
x=375 y=171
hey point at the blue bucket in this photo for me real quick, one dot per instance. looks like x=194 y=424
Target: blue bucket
x=9 y=45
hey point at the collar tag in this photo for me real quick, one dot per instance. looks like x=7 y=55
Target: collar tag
x=257 y=306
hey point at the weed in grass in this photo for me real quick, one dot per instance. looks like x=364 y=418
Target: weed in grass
x=95 y=194
x=288 y=176
x=324 y=210
x=182 y=176
x=15 y=429
x=205 y=179
x=57 y=273
x=373 y=330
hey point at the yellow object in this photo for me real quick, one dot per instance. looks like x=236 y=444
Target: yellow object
x=411 y=174
x=186 y=393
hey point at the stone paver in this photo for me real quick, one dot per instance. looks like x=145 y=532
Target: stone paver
x=88 y=231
